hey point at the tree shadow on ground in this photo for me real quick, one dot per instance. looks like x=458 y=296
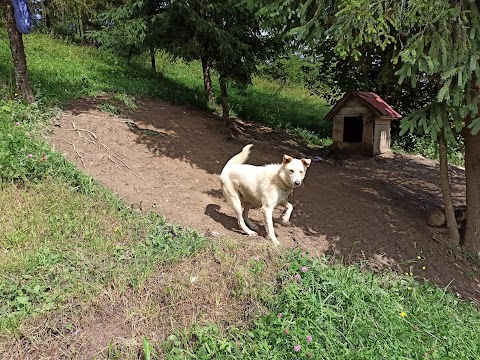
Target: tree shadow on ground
x=355 y=209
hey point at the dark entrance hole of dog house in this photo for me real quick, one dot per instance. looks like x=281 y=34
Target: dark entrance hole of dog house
x=353 y=129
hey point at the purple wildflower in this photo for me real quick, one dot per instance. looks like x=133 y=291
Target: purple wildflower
x=298 y=277
x=309 y=338
x=297 y=348
x=304 y=269
x=280 y=315
x=30 y=155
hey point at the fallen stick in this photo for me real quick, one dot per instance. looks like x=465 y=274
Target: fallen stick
x=90 y=141
x=85 y=130
x=74 y=148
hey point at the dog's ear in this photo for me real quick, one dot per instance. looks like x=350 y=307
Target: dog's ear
x=287 y=159
x=306 y=162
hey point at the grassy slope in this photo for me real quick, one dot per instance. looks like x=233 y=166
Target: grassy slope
x=58 y=243
x=56 y=234
x=336 y=312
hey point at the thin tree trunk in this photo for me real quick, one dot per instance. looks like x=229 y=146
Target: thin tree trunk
x=224 y=96
x=79 y=22
x=472 y=176
x=83 y=26
x=152 y=58
x=18 y=55
x=446 y=194
x=207 y=80
x=46 y=14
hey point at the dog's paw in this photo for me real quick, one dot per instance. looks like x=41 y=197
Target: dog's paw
x=276 y=243
x=285 y=222
x=253 y=233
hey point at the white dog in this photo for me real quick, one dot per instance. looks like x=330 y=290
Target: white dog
x=248 y=187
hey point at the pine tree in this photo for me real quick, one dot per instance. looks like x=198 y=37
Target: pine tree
x=433 y=41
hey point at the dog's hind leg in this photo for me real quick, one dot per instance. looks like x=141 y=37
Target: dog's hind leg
x=288 y=212
x=268 y=217
x=249 y=222
x=237 y=208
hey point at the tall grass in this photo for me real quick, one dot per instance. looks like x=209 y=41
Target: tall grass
x=325 y=311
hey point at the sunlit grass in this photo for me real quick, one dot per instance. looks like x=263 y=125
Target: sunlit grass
x=329 y=311
x=57 y=243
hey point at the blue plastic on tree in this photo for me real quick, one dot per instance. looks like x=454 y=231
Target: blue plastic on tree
x=23 y=16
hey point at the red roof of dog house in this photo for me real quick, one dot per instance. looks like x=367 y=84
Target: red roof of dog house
x=373 y=100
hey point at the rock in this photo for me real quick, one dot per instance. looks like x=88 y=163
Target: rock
x=436 y=217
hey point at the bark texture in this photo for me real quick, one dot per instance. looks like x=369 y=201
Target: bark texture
x=446 y=193
x=18 y=55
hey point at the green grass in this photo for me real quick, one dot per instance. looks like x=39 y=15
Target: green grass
x=424 y=145
x=64 y=237
x=61 y=71
x=24 y=154
x=283 y=107
x=337 y=312
x=57 y=243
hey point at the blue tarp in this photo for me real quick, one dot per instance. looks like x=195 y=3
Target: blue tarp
x=23 y=16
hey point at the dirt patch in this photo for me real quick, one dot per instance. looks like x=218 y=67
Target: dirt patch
x=168 y=158
x=217 y=286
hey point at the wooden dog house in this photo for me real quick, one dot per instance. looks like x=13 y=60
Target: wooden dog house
x=361 y=123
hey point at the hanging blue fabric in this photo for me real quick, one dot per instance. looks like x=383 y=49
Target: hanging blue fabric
x=23 y=16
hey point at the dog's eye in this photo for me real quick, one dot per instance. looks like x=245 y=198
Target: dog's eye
x=301 y=171
x=291 y=171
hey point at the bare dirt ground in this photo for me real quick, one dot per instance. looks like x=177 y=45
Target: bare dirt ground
x=167 y=158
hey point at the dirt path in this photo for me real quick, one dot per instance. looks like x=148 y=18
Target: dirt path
x=168 y=158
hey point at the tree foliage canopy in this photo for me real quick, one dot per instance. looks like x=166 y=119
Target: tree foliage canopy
x=429 y=41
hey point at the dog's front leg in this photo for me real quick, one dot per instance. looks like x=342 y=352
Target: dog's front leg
x=288 y=212
x=268 y=218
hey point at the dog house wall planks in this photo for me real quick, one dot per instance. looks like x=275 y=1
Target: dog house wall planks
x=361 y=123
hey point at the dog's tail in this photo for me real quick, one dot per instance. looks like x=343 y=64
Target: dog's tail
x=240 y=158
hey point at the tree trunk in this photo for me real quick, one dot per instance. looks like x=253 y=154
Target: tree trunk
x=18 y=55
x=472 y=176
x=224 y=95
x=46 y=15
x=83 y=26
x=446 y=194
x=207 y=80
x=152 y=58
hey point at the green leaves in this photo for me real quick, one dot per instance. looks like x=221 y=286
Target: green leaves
x=430 y=42
x=475 y=126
